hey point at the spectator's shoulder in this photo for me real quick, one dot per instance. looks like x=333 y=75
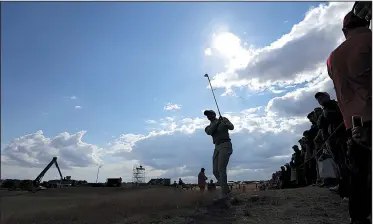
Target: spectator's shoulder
x=335 y=104
x=336 y=53
x=328 y=61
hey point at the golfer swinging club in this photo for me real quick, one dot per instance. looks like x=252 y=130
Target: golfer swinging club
x=218 y=129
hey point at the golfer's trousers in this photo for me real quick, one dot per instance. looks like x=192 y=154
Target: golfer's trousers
x=220 y=161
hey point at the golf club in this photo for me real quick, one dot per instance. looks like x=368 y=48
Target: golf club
x=207 y=76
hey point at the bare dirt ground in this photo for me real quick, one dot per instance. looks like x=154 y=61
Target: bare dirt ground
x=309 y=205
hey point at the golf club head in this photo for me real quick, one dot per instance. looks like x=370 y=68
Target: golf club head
x=206 y=75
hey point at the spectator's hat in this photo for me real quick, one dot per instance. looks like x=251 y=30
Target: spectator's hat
x=318 y=94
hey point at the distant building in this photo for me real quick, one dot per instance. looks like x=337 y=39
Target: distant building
x=114 y=182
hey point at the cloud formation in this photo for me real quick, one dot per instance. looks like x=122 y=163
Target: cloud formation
x=170 y=106
x=178 y=149
x=291 y=68
x=36 y=150
x=297 y=57
x=150 y=122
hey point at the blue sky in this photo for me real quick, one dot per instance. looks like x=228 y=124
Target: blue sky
x=125 y=61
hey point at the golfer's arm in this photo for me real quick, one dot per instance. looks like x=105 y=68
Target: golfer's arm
x=228 y=124
x=211 y=128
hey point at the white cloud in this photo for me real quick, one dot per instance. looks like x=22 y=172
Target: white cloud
x=73 y=98
x=150 y=122
x=208 y=51
x=78 y=107
x=36 y=150
x=170 y=106
x=301 y=101
x=295 y=58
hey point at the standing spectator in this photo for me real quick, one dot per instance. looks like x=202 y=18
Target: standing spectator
x=350 y=68
x=202 y=180
x=333 y=131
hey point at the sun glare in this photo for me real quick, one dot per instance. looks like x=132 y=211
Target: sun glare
x=227 y=44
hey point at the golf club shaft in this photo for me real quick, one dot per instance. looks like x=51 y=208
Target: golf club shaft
x=214 y=95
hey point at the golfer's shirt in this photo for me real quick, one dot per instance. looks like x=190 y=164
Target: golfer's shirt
x=219 y=132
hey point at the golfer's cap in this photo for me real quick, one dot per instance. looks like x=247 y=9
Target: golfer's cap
x=207 y=112
x=318 y=94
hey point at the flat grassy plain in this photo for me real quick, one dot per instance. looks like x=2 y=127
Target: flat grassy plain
x=168 y=205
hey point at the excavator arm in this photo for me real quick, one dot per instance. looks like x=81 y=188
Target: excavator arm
x=38 y=179
x=58 y=168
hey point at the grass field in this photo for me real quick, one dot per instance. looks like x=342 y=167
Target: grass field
x=168 y=205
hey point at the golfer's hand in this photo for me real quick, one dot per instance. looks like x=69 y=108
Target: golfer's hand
x=220 y=120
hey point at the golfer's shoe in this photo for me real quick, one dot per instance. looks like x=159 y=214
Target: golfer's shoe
x=345 y=200
x=334 y=189
x=364 y=221
x=224 y=197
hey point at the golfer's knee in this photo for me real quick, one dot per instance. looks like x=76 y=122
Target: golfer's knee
x=223 y=173
x=222 y=170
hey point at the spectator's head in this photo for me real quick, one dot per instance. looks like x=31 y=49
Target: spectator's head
x=202 y=170
x=322 y=98
x=318 y=111
x=301 y=141
x=295 y=148
x=351 y=22
x=306 y=134
x=311 y=117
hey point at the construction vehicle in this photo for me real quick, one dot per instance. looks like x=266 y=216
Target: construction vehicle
x=35 y=185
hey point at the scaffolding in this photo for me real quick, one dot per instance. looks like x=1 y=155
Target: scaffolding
x=138 y=174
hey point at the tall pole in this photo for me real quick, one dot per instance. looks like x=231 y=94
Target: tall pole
x=98 y=171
